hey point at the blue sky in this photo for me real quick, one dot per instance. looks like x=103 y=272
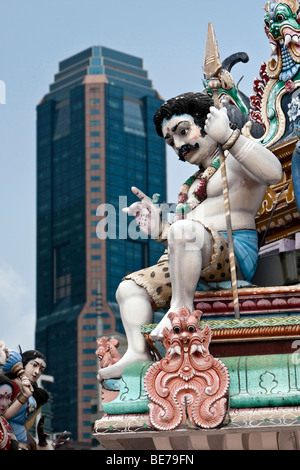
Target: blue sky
x=34 y=36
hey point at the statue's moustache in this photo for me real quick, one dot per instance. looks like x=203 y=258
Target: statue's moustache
x=185 y=149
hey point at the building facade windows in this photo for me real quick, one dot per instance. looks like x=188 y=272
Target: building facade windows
x=88 y=351
x=68 y=155
x=89 y=387
x=88 y=327
x=89 y=363
x=88 y=375
x=89 y=339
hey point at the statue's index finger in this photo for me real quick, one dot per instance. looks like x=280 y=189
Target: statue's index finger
x=141 y=195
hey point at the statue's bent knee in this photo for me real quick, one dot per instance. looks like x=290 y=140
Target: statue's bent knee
x=186 y=231
x=126 y=289
x=123 y=290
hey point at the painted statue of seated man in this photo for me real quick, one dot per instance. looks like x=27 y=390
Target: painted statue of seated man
x=196 y=241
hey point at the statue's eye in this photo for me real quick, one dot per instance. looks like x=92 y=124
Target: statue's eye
x=280 y=17
x=183 y=132
x=177 y=329
x=191 y=329
x=267 y=23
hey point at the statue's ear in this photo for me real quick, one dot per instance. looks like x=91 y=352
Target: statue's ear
x=172 y=315
x=114 y=342
x=197 y=314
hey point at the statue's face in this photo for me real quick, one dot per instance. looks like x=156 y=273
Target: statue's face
x=34 y=369
x=5 y=397
x=184 y=136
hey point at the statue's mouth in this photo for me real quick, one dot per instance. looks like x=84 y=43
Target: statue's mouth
x=288 y=47
x=289 y=39
x=186 y=149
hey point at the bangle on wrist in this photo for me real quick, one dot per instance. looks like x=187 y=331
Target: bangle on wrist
x=232 y=140
x=22 y=399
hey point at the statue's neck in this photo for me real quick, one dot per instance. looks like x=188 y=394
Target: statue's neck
x=215 y=153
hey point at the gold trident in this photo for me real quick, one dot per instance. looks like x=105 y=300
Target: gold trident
x=211 y=70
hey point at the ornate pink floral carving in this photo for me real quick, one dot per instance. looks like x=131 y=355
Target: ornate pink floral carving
x=108 y=355
x=189 y=383
x=107 y=351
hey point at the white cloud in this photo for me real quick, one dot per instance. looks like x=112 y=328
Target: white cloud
x=17 y=309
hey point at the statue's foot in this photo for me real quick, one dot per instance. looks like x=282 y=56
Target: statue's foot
x=116 y=370
x=156 y=334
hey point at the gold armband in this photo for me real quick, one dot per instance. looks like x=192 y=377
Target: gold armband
x=232 y=140
x=21 y=398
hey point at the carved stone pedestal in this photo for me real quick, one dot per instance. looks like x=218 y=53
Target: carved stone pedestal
x=248 y=429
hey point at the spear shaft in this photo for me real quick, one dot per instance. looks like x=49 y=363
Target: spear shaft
x=212 y=67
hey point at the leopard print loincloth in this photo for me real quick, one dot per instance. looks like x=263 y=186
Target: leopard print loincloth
x=157 y=282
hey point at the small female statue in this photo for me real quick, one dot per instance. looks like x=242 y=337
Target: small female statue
x=24 y=369
x=8 y=440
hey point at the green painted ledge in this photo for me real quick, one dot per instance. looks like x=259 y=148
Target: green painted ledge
x=132 y=397
x=264 y=381
x=255 y=382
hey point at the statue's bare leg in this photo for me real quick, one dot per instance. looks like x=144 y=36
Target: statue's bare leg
x=190 y=248
x=136 y=310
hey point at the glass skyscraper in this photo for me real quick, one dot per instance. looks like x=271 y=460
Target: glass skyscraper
x=95 y=139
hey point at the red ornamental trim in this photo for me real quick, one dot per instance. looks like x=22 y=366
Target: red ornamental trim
x=249 y=305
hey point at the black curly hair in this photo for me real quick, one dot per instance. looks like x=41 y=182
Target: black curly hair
x=196 y=104
x=4 y=380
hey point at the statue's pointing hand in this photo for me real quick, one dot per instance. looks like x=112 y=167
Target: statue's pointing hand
x=147 y=214
x=217 y=125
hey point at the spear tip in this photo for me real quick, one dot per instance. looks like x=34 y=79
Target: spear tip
x=212 y=62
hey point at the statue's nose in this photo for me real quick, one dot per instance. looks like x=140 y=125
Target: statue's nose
x=184 y=337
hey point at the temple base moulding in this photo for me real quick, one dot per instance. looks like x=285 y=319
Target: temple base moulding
x=248 y=429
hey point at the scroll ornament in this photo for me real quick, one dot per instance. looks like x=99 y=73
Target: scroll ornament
x=188 y=386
